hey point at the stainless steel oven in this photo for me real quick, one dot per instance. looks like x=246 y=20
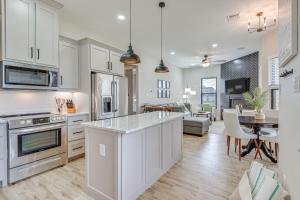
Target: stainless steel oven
x=36 y=143
x=31 y=144
x=25 y=76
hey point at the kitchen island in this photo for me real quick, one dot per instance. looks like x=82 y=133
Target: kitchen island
x=126 y=155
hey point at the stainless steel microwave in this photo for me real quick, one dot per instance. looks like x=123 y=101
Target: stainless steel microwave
x=29 y=77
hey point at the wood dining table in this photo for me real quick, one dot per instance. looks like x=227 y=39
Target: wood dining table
x=257 y=124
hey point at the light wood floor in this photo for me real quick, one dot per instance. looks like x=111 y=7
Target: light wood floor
x=205 y=173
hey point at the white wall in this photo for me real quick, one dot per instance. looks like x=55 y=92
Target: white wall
x=192 y=78
x=269 y=48
x=16 y=102
x=289 y=118
x=147 y=80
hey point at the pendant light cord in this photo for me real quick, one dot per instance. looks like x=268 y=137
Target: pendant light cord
x=130 y=8
x=161 y=32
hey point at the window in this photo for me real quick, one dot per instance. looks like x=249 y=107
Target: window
x=274 y=82
x=274 y=71
x=209 y=91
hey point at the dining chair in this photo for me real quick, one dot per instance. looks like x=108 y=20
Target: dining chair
x=234 y=129
x=269 y=135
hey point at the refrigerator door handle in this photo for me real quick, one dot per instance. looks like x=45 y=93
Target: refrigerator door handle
x=116 y=100
x=113 y=95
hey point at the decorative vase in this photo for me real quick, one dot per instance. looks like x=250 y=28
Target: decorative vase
x=259 y=114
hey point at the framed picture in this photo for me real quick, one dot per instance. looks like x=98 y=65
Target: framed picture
x=163 y=89
x=288 y=28
x=159 y=84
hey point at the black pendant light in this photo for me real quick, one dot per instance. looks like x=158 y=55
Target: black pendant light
x=129 y=57
x=161 y=68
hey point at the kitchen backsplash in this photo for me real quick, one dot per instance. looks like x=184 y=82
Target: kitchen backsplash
x=12 y=102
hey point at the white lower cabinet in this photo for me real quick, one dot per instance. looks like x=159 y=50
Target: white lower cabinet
x=148 y=154
x=153 y=154
x=76 y=148
x=76 y=136
x=3 y=155
x=133 y=165
x=167 y=145
x=121 y=166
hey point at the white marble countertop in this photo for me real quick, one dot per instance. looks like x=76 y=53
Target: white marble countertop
x=134 y=123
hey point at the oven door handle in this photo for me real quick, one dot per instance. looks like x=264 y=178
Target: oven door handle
x=36 y=129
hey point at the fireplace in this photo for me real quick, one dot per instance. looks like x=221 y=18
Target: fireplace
x=235 y=100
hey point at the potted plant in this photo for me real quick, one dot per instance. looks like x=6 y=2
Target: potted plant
x=257 y=100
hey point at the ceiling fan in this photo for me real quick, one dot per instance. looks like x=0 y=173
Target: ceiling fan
x=206 y=62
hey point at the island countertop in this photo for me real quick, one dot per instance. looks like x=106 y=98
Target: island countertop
x=134 y=123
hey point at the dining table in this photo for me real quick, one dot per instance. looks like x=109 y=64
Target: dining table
x=257 y=124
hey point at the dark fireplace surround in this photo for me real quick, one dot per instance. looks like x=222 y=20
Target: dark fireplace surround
x=244 y=67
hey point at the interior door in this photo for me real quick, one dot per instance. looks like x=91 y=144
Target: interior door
x=19 y=29
x=46 y=35
x=99 y=59
x=116 y=66
x=120 y=97
x=68 y=65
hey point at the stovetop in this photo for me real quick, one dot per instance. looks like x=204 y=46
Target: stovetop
x=32 y=119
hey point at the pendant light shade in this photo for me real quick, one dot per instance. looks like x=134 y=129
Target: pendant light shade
x=129 y=57
x=161 y=68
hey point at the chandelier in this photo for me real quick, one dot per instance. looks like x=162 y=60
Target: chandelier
x=262 y=24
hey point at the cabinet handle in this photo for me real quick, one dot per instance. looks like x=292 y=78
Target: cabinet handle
x=108 y=65
x=78 y=132
x=77 y=148
x=61 y=80
x=38 y=54
x=31 y=52
x=80 y=120
x=111 y=65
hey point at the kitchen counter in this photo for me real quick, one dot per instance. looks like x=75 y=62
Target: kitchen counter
x=134 y=123
x=126 y=155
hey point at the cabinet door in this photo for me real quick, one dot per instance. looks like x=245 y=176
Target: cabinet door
x=99 y=59
x=116 y=66
x=167 y=145
x=133 y=165
x=68 y=65
x=19 y=27
x=153 y=154
x=46 y=35
x=178 y=133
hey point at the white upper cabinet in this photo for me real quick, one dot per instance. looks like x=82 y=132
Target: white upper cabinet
x=46 y=35
x=31 y=32
x=19 y=30
x=116 y=66
x=68 y=64
x=99 y=59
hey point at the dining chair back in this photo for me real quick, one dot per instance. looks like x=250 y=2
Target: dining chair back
x=234 y=129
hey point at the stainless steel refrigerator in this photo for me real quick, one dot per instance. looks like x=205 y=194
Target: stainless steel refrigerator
x=109 y=96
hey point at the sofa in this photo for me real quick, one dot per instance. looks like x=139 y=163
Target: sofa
x=191 y=125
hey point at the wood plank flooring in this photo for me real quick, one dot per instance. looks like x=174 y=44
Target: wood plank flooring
x=205 y=173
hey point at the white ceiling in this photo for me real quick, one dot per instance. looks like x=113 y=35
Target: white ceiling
x=191 y=26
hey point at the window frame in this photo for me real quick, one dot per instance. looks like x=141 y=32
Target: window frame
x=273 y=87
x=215 y=93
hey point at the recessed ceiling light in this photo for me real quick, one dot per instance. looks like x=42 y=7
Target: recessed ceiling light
x=172 y=53
x=214 y=45
x=121 y=17
x=193 y=64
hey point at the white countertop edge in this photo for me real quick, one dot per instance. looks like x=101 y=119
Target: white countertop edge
x=120 y=131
